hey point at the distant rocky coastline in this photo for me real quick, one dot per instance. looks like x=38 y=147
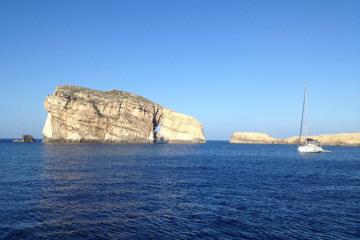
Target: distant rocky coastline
x=251 y=137
x=77 y=114
x=341 y=139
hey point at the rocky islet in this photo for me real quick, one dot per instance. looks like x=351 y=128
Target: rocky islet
x=77 y=114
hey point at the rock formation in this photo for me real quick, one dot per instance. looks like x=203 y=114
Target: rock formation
x=26 y=138
x=77 y=114
x=251 y=137
x=343 y=139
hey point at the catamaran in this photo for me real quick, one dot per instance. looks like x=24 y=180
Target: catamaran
x=309 y=145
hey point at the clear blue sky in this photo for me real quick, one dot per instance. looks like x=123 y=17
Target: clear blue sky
x=235 y=65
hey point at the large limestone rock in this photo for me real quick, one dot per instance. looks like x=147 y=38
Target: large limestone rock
x=77 y=114
x=343 y=139
x=251 y=137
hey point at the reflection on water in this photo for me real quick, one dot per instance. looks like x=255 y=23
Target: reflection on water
x=215 y=190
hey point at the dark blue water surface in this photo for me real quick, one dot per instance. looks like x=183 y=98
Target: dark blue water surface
x=210 y=191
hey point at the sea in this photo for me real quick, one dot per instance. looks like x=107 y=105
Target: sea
x=215 y=190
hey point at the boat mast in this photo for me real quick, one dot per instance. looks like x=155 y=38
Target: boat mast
x=306 y=114
x=302 y=117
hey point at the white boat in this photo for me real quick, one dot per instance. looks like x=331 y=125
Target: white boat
x=310 y=148
x=308 y=145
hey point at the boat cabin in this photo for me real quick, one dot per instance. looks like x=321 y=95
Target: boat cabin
x=313 y=141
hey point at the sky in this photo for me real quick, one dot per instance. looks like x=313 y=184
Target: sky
x=234 y=65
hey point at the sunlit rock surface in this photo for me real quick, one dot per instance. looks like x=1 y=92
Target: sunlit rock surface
x=77 y=114
x=342 y=139
x=251 y=137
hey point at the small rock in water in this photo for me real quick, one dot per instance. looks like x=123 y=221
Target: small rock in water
x=26 y=138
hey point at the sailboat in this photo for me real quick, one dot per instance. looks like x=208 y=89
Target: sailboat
x=309 y=145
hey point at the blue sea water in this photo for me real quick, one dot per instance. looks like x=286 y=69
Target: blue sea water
x=209 y=191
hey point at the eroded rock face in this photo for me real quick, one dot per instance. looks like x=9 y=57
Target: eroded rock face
x=344 y=139
x=77 y=114
x=180 y=128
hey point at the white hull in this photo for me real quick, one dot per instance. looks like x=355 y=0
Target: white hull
x=310 y=148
